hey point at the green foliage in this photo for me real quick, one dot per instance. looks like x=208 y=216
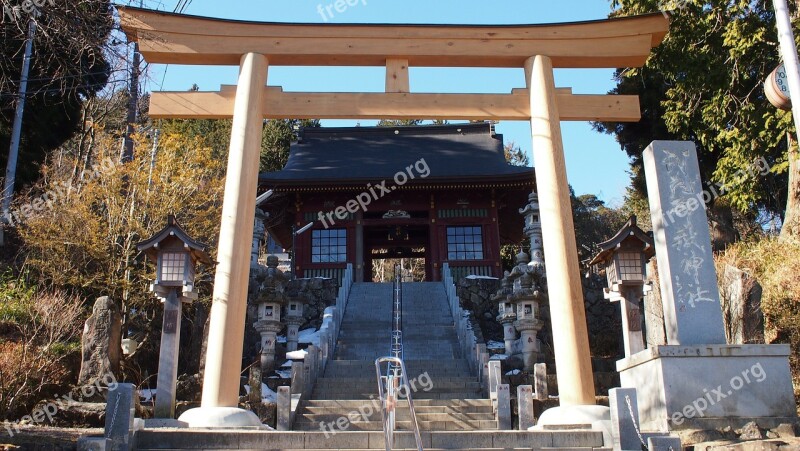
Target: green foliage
x=15 y=299
x=276 y=138
x=515 y=156
x=594 y=223
x=704 y=84
x=69 y=64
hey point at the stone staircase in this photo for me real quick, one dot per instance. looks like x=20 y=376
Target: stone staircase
x=343 y=411
x=447 y=396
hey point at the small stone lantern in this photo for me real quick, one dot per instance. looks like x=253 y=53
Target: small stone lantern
x=528 y=324
x=294 y=318
x=506 y=314
x=533 y=229
x=270 y=301
x=175 y=255
x=624 y=258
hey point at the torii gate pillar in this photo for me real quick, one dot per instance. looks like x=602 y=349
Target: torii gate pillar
x=220 y=403
x=568 y=317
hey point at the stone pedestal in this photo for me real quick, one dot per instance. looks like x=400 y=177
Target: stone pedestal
x=269 y=331
x=709 y=386
x=292 y=330
x=168 y=357
x=530 y=345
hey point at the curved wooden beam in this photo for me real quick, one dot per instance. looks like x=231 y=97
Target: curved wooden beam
x=181 y=39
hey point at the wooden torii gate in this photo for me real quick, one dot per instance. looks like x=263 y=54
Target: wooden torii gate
x=178 y=39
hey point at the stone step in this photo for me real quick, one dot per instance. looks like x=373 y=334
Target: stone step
x=449 y=425
x=404 y=415
x=184 y=439
x=322 y=395
x=351 y=404
x=367 y=404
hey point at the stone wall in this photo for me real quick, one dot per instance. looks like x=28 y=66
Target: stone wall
x=475 y=295
x=603 y=318
x=319 y=292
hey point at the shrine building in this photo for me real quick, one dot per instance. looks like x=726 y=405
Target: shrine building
x=442 y=193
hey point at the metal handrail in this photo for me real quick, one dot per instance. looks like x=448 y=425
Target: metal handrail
x=389 y=400
x=396 y=345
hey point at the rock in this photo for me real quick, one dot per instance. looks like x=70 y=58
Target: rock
x=692 y=436
x=101 y=343
x=750 y=431
x=741 y=306
x=785 y=430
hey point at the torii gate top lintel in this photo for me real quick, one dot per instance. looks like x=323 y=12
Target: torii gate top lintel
x=170 y=38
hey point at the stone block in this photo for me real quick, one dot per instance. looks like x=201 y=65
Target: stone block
x=692 y=309
x=664 y=444
x=540 y=381
x=284 y=420
x=258 y=440
x=525 y=407
x=159 y=423
x=93 y=444
x=504 y=407
x=520 y=439
x=120 y=415
x=741 y=302
x=624 y=418
x=688 y=387
x=461 y=440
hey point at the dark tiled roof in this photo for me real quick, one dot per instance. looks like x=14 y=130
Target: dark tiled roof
x=454 y=153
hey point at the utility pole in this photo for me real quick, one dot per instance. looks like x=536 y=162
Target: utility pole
x=16 y=132
x=789 y=55
x=133 y=104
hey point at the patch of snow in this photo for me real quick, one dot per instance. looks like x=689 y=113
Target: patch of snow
x=495 y=345
x=287 y=364
x=498 y=357
x=513 y=372
x=309 y=336
x=481 y=277
x=267 y=395
x=300 y=354
x=286 y=374
x=147 y=394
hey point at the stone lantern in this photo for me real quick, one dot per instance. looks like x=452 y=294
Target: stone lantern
x=533 y=229
x=175 y=255
x=294 y=318
x=624 y=258
x=526 y=297
x=528 y=324
x=506 y=313
x=270 y=300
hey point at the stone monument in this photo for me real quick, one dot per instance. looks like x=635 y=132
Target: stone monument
x=697 y=380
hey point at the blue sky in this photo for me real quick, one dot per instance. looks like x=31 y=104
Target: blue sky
x=595 y=163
